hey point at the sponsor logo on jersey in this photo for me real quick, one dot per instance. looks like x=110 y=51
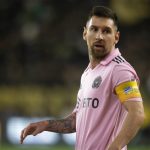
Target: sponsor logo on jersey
x=90 y=102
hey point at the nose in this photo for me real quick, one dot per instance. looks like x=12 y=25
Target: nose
x=99 y=36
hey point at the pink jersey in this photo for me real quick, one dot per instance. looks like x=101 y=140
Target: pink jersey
x=99 y=112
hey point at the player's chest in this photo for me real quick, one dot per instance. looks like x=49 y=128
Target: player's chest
x=94 y=82
x=95 y=87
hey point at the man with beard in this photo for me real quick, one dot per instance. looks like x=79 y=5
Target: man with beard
x=109 y=110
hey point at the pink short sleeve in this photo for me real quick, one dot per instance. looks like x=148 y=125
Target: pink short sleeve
x=124 y=73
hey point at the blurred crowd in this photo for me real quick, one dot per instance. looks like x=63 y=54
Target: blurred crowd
x=41 y=40
x=41 y=44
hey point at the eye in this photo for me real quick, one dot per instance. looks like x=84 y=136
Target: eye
x=107 y=31
x=93 y=28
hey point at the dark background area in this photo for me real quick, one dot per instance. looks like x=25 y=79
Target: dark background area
x=42 y=53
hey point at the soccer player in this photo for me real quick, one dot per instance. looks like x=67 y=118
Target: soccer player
x=109 y=110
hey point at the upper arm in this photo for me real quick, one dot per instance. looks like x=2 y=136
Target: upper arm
x=123 y=73
x=135 y=109
x=134 y=106
x=128 y=91
x=126 y=84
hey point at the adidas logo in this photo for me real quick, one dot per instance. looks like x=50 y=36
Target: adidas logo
x=119 y=59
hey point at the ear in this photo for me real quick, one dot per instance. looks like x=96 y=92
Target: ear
x=117 y=36
x=84 y=33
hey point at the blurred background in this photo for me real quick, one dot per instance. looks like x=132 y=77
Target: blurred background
x=42 y=56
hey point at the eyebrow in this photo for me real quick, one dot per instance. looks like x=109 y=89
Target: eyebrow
x=94 y=26
x=102 y=27
x=106 y=27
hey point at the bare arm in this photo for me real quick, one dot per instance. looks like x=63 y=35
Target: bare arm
x=67 y=125
x=131 y=125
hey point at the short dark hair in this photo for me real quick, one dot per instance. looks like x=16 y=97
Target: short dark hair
x=102 y=11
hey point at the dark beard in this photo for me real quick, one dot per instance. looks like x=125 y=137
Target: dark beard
x=99 y=55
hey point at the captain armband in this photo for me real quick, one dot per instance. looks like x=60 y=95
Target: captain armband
x=127 y=90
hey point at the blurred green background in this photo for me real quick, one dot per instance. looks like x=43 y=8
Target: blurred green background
x=42 y=56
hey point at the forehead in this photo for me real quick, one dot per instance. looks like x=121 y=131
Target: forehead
x=100 y=22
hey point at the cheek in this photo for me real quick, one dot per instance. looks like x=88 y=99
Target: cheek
x=88 y=43
x=89 y=40
x=109 y=43
x=111 y=40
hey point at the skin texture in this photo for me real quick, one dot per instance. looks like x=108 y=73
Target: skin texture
x=101 y=36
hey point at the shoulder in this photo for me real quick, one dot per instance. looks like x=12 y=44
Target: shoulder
x=122 y=71
x=119 y=59
x=120 y=64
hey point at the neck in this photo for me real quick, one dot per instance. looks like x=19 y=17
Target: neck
x=94 y=62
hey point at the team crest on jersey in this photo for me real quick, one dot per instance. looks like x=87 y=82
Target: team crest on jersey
x=97 y=82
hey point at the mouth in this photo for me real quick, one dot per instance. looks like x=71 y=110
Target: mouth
x=98 y=45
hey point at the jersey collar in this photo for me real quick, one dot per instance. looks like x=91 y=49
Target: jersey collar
x=115 y=52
